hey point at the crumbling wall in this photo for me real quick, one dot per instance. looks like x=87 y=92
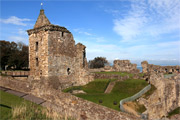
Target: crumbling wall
x=159 y=69
x=125 y=66
x=110 y=76
x=165 y=99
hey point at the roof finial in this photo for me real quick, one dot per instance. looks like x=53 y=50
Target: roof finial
x=41 y=5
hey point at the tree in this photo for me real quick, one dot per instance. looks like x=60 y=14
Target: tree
x=98 y=62
x=14 y=55
x=5 y=51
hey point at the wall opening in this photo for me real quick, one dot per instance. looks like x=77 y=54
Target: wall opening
x=62 y=34
x=36 y=46
x=177 y=70
x=84 y=57
x=166 y=69
x=37 y=62
x=68 y=71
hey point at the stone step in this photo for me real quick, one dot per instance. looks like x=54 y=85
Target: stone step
x=20 y=94
x=34 y=99
x=3 y=88
x=110 y=87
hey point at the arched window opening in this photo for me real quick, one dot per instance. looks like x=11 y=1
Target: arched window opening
x=68 y=71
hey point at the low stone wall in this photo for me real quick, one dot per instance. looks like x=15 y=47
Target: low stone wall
x=19 y=85
x=97 y=70
x=159 y=69
x=65 y=103
x=15 y=73
x=110 y=76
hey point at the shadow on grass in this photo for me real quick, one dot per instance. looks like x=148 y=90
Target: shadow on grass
x=1 y=105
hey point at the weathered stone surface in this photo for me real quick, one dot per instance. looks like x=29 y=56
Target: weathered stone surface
x=125 y=66
x=78 y=92
x=159 y=69
x=42 y=20
x=110 y=76
x=165 y=99
x=10 y=82
x=34 y=99
x=17 y=93
x=3 y=88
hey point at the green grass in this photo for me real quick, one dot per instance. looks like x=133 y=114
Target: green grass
x=123 y=89
x=150 y=92
x=174 y=112
x=96 y=86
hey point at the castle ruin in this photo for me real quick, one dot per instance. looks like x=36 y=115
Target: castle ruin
x=159 y=69
x=53 y=52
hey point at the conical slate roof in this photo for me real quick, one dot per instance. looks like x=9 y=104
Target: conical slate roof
x=42 y=20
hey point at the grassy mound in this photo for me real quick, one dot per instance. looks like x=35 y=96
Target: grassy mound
x=123 y=89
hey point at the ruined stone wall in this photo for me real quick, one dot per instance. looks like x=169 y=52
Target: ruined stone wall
x=57 y=55
x=38 y=54
x=64 y=103
x=125 y=66
x=159 y=69
x=66 y=59
x=165 y=99
x=62 y=53
x=110 y=76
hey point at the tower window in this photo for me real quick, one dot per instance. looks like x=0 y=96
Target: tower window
x=62 y=34
x=37 y=62
x=36 y=46
x=84 y=57
x=68 y=71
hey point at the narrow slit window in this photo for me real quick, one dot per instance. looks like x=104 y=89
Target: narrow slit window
x=84 y=57
x=36 y=46
x=62 y=34
x=37 y=62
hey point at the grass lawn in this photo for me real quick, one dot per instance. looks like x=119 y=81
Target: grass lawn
x=123 y=89
x=97 y=86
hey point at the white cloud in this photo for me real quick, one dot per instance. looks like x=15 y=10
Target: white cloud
x=82 y=31
x=15 y=20
x=22 y=32
x=18 y=39
x=164 y=50
x=148 y=19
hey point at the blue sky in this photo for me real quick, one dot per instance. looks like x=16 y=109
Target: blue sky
x=119 y=29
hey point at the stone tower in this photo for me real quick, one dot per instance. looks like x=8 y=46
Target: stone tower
x=52 y=52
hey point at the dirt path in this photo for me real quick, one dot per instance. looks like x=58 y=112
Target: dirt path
x=130 y=107
x=110 y=87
